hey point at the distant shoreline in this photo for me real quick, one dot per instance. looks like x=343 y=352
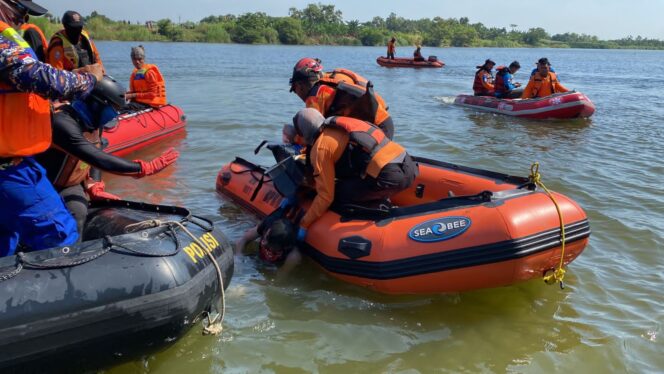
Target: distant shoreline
x=320 y=24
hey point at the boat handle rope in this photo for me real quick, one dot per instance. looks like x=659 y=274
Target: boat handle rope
x=215 y=324
x=558 y=274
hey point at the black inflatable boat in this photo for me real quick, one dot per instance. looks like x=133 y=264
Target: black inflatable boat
x=142 y=277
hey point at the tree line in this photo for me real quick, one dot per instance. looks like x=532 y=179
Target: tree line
x=324 y=24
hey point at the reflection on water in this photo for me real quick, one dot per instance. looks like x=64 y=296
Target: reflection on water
x=610 y=315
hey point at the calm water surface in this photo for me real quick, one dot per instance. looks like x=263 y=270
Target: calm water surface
x=610 y=316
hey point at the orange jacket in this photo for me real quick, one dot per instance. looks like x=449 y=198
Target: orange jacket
x=148 y=85
x=483 y=83
x=322 y=97
x=62 y=53
x=40 y=50
x=25 y=118
x=328 y=149
x=542 y=87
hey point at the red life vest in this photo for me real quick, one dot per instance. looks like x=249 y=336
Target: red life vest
x=25 y=118
x=478 y=84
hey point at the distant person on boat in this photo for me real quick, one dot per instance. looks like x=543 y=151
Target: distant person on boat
x=332 y=94
x=543 y=83
x=147 y=88
x=32 y=212
x=483 y=83
x=391 y=48
x=72 y=48
x=77 y=132
x=417 y=55
x=35 y=37
x=352 y=162
x=504 y=87
x=542 y=60
x=277 y=233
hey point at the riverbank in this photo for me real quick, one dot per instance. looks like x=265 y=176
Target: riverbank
x=319 y=24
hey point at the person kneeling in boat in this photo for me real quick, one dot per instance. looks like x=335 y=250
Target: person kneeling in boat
x=147 y=88
x=368 y=167
x=417 y=55
x=333 y=95
x=483 y=83
x=505 y=88
x=543 y=83
x=77 y=130
x=277 y=233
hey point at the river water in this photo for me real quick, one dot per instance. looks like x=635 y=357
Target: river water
x=610 y=316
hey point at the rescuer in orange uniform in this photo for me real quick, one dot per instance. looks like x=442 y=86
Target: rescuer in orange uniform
x=543 y=83
x=352 y=162
x=391 y=48
x=483 y=83
x=72 y=48
x=333 y=94
x=35 y=37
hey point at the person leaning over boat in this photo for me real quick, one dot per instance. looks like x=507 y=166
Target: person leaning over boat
x=391 y=48
x=332 y=94
x=72 y=48
x=32 y=211
x=483 y=83
x=36 y=39
x=543 y=83
x=77 y=130
x=367 y=167
x=417 y=55
x=504 y=87
x=147 y=88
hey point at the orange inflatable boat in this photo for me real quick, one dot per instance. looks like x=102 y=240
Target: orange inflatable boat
x=455 y=229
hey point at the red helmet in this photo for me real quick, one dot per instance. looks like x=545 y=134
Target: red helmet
x=306 y=69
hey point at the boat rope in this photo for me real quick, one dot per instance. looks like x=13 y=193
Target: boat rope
x=558 y=274
x=215 y=325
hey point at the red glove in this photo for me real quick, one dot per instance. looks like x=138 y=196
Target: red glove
x=96 y=192
x=158 y=164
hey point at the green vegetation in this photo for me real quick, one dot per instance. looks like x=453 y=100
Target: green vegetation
x=323 y=24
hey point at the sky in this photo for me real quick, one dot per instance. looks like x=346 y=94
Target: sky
x=607 y=19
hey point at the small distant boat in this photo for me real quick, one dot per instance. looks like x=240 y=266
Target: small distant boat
x=401 y=62
x=564 y=105
x=134 y=131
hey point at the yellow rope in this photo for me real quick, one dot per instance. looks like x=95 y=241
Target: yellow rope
x=558 y=274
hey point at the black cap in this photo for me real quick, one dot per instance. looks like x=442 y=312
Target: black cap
x=543 y=61
x=515 y=64
x=108 y=91
x=72 y=19
x=32 y=8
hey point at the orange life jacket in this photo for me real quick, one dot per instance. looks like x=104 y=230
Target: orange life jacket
x=41 y=42
x=345 y=75
x=70 y=52
x=479 y=85
x=368 y=150
x=74 y=171
x=353 y=97
x=543 y=87
x=138 y=84
x=25 y=118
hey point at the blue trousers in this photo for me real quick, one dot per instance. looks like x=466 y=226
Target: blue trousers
x=31 y=211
